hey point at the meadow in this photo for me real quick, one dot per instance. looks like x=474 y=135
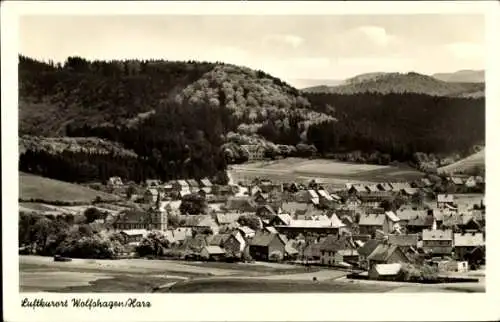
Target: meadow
x=40 y=189
x=326 y=171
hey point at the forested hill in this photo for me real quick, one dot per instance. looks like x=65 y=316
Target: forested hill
x=387 y=83
x=189 y=119
x=176 y=116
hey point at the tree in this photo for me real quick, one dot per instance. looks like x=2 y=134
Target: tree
x=250 y=220
x=193 y=204
x=92 y=214
x=131 y=190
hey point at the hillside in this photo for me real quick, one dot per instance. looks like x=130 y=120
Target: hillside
x=36 y=188
x=57 y=145
x=386 y=83
x=170 y=120
x=462 y=76
x=470 y=165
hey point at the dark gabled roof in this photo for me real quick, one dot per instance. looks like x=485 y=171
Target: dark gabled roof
x=268 y=208
x=263 y=239
x=219 y=239
x=382 y=252
x=421 y=221
x=336 y=243
x=372 y=220
x=403 y=240
x=368 y=247
x=409 y=214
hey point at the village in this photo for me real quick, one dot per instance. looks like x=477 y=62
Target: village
x=373 y=229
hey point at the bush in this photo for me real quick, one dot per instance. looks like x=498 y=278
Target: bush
x=276 y=256
x=419 y=273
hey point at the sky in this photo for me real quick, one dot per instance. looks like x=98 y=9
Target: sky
x=293 y=48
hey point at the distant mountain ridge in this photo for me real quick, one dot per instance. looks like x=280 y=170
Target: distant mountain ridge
x=386 y=83
x=462 y=76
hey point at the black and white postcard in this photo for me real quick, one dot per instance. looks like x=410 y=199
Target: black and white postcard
x=192 y=161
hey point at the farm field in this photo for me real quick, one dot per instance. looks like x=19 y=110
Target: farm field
x=32 y=187
x=326 y=171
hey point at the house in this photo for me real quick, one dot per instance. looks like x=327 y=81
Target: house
x=462 y=222
x=387 y=254
x=271 y=229
x=134 y=235
x=352 y=202
x=212 y=253
x=466 y=242
x=444 y=199
x=420 y=223
x=386 y=272
x=115 y=182
x=409 y=192
x=246 y=232
x=386 y=222
x=365 y=250
x=405 y=215
x=235 y=244
x=265 y=212
x=311 y=252
x=384 y=186
x=322 y=226
x=456 y=181
x=227 y=218
x=357 y=189
x=255 y=151
x=153 y=183
x=437 y=242
x=178 y=235
x=281 y=220
x=268 y=187
x=194 y=186
x=405 y=242
x=155 y=219
x=336 y=250
x=206 y=185
x=195 y=243
x=325 y=199
x=261 y=197
x=312 y=197
x=180 y=185
x=294 y=208
x=262 y=245
x=398 y=186
x=470 y=182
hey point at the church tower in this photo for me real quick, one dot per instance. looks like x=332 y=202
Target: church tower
x=159 y=218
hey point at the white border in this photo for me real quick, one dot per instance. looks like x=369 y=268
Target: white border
x=268 y=307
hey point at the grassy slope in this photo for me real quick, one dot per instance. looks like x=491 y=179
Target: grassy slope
x=464 y=165
x=49 y=190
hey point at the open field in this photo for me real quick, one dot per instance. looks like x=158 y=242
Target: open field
x=327 y=171
x=465 y=165
x=49 y=190
x=233 y=285
x=42 y=274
